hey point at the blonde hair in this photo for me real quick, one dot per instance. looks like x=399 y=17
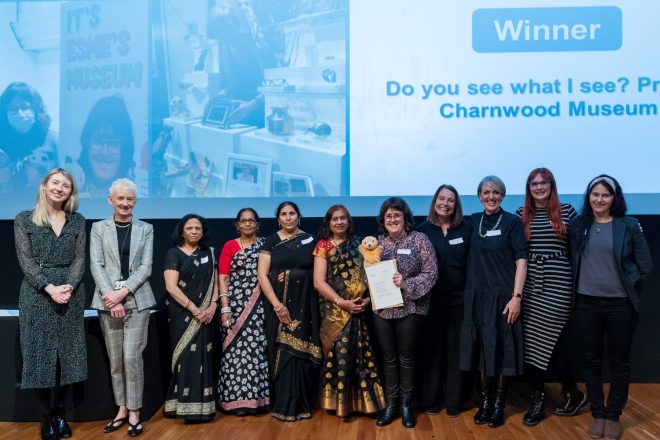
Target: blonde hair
x=40 y=213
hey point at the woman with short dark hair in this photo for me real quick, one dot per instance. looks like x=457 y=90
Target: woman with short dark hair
x=610 y=257
x=398 y=329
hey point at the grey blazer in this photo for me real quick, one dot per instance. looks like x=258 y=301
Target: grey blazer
x=106 y=264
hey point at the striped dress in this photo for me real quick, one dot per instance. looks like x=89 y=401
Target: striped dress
x=548 y=293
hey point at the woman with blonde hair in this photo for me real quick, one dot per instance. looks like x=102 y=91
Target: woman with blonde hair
x=50 y=246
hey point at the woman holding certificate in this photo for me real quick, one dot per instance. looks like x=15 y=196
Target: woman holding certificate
x=285 y=273
x=398 y=328
x=491 y=340
x=349 y=379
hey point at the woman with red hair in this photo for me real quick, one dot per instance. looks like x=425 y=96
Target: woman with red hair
x=547 y=300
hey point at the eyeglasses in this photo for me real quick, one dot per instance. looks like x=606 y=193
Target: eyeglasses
x=541 y=184
x=247 y=221
x=277 y=82
x=390 y=217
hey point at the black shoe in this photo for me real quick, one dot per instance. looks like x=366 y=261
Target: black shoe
x=483 y=414
x=60 y=425
x=407 y=414
x=387 y=415
x=497 y=416
x=452 y=411
x=535 y=413
x=433 y=410
x=48 y=431
x=574 y=401
x=115 y=425
x=134 y=430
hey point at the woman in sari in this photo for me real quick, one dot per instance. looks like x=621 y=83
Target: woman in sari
x=285 y=273
x=243 y=380
x=349 y=378
x=193 y=288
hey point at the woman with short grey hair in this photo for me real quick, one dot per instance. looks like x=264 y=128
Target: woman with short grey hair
x=491 y=339
x=121 y=251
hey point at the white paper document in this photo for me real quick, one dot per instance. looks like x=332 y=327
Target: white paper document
x=384 y=294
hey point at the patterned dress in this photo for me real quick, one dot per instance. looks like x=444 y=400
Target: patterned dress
x=243 y=379
x=547 y=299
x=349 y=376
x=51 y=331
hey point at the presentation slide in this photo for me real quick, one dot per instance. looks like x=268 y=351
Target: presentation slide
x=213 y=105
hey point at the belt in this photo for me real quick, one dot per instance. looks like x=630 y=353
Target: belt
x=51 y=265
x=540 y=260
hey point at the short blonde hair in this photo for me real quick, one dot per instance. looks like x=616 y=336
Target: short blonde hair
x=123 y=183
x=40 y=213
x=494 y=182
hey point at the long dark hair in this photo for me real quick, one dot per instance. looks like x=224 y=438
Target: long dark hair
x=177 y=235
x=618 y=208
x=325 y=233
x=109 y=113
x=398 y=204
x=14 y=143
x=456 y=217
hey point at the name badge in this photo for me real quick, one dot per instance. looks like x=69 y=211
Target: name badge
x=403 y=251
x=493 y=233
x=307 y=240
x=204 y=260
x=454 y=241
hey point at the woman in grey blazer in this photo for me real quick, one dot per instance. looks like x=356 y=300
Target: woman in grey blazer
x=121 y=251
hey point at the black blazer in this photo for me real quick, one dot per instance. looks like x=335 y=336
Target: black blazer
x=631 y=252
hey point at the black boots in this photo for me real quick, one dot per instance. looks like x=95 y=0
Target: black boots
x=390 y=412
x=407 y=414
x=535 y=413
x=574 y=400
x=60 y=425
x=483 y=414
x=48 y=431
x=497 y=415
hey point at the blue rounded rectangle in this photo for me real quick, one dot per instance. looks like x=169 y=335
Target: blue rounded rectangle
x=597 y=28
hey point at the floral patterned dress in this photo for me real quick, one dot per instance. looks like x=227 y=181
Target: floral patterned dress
x=243 y=379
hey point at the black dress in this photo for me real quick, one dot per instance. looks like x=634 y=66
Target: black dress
x=488 y=342
x=294 y=350
x=51 y=331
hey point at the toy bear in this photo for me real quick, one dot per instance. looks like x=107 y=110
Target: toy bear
x=370 y=250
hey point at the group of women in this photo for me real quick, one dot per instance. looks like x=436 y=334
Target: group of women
x=494 y=293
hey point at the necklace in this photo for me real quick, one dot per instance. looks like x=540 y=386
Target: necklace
x=481 y=221
x=243 y=245
x=289 y=236
x=599 y=223
x=396 y=241
x=128 y=232
x=123 y=226
x=193 y=252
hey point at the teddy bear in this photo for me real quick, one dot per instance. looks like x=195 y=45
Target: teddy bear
x=370 y=250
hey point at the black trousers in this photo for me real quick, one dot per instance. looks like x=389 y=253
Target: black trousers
x=606 y=323
x=442 y=382
x=398 y=340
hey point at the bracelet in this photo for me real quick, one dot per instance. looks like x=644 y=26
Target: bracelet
x=225 y=309
x=517 y=295
x=187 y=304
x=277 y=309
x=337 y=300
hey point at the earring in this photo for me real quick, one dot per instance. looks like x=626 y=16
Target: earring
x=279 y=225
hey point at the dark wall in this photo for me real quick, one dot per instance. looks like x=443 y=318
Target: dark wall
x=645 y=355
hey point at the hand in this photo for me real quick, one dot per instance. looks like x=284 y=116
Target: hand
x=118 y=311
x=512 y=309
x=59 y=294
x=197 y=313
x=283 y=315
x=114 y=297
x=280 y=277
x=225 y=319
x=398 y=280
x=352 y=305
x=209 y=312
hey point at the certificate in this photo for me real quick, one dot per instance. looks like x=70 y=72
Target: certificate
x=384 y=294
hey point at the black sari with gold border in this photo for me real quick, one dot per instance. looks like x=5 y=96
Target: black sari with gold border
x=191 y=394
x=294 y=350
x=349 y=376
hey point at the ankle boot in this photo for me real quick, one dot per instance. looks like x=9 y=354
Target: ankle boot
x=535 y=413
x=407 y=414
x=60 y=425
x=497 y=415
x=388 y=415
x=48 y=432
x=574 y=400
x=483 y=414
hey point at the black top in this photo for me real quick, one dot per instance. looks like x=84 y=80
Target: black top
x=124 y=246
x=494 y=250
x=452 y=254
